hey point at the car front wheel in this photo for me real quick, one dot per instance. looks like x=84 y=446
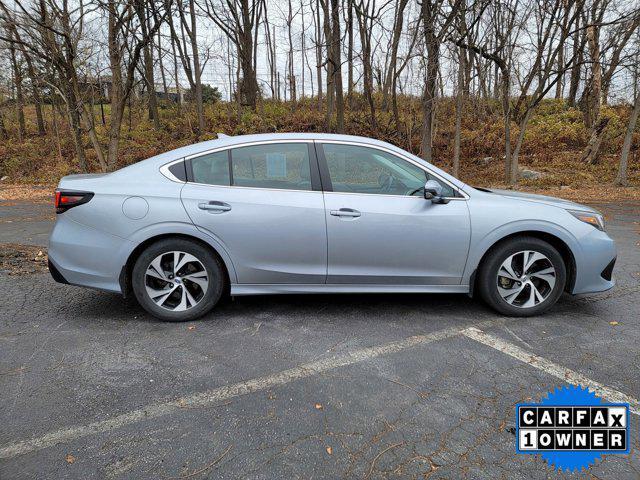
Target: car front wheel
x=522 y=277
x=177 y=280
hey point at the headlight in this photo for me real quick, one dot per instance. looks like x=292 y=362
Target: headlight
x=593 y=219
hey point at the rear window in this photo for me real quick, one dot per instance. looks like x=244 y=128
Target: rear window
x=281 y=165
x=211 y=169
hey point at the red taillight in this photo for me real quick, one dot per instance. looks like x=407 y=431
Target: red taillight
x=64 y=200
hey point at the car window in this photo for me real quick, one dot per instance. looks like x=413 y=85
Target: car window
x=212 y=169
x=281 y=165
x=357 y=169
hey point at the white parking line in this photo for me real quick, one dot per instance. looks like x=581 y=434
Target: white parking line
x=547 y=366
x=222 y=394
x=219 y=395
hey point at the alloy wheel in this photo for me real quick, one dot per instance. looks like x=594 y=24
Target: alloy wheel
x=176 y=281
x=526 y=279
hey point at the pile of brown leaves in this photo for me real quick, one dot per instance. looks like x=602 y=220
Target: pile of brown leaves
x=17 y=259
x=25 y=192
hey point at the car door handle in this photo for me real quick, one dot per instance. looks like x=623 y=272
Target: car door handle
x=345 y=212
x=214 y=206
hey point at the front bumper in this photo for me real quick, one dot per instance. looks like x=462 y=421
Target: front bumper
x=594 y=266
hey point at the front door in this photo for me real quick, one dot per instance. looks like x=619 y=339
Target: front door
x=264 y=205
x=381 y=230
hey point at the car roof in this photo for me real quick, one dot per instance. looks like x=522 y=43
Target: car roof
x=229 y=140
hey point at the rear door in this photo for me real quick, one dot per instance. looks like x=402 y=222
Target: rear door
x=380 y=229
x=264 y=204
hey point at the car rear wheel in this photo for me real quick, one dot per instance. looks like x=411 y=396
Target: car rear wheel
x=177 y=280
x=522 y=277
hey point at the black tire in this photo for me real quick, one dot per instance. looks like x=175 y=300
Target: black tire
x=487 y=277
x=209 y=298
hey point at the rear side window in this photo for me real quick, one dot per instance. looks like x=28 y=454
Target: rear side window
x=211 y=169
x=282 y=165
x=178 y=170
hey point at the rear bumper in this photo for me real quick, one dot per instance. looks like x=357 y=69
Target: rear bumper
x=55 y=273
x=84 y=256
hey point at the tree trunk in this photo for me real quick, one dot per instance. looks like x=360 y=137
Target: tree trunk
x=393 y=55
x=506 y=114
x=148 y=70
x=292 y=78
x=328 y=36
x=350 y=51
x=37 y=98
x=560 y=83
x=365 y=42
x=17 y=79
x=163 y=75
x=318 y=54
x=459 y=95
x=176 y=78
x=515 y=169
x=576 y=51
x=590 y=153
x=431 y=80
x=337 y=65
x=74 y=123
x=4 y=135
x=621 y=178
x=591 y=100
x=197 y=73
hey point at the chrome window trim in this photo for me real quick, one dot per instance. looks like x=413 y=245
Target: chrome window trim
x=165 y=168
x=253 y=188
x=246 y=144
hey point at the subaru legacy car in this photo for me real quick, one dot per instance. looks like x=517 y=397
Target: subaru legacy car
x=317 y=213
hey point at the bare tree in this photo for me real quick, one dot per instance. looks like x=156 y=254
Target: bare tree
x=621 y=178
x=16 y=66
x=149 y=77
x=237 y=19
x=51 y=33
x=190 y=62
x=597 y=87
x=398 y=24
x=366 y=14
x=437 y=20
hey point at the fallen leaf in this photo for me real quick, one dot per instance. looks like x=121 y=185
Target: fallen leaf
x=191 y=327
x=70 y=458
x=614 y=323
x=329 y=450
x=319 y=406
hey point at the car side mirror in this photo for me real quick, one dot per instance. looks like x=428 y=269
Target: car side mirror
x=433 y=192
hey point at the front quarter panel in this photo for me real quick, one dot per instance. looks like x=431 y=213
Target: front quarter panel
x=494 y=217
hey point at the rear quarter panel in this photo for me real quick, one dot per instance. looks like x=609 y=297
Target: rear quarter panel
x=143 y=183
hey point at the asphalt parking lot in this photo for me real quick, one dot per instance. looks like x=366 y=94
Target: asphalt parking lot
x=382 y=386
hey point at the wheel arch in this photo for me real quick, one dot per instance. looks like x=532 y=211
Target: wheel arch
x=560 y=244
x=125 y=273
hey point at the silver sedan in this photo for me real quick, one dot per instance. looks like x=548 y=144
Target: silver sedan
x=317 y=213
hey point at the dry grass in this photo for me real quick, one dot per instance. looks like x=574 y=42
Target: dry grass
x=553 y=143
